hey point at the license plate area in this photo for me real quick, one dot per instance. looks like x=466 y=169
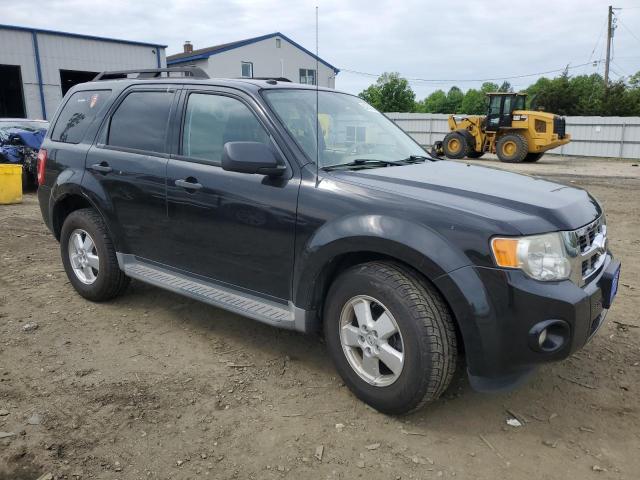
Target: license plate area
x=609 y=283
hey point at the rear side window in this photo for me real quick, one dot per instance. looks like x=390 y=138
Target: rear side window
x=78 y=113
x=141 y=121
x=213 y=120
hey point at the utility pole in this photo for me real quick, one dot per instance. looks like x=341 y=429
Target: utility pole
x=609 y=38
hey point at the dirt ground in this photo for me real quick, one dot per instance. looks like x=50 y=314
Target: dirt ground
x=153 y=385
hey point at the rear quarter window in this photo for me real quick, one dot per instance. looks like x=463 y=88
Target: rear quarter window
x=77 y=114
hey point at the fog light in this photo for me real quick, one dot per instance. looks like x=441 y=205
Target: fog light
x=549 y=336
x=542 y=337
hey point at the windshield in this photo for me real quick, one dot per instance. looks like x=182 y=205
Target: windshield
x=351 y=129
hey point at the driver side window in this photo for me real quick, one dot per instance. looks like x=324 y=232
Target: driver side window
x=213 y=120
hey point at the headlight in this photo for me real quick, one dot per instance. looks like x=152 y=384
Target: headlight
x=542 y=257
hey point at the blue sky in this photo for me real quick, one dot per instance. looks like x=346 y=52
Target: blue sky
x=432 y=40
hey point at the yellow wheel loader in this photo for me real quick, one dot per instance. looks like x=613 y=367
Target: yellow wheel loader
x=508 y=130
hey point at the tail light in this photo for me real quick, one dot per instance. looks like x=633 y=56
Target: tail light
x=42 y=163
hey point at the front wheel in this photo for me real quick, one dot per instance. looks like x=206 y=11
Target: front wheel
x=390 y=335
x=455 y=145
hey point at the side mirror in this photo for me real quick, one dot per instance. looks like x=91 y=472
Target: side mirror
x=251 y=157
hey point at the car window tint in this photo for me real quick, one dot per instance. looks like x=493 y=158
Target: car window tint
x=141 y=121
x=213 y=120
x=77 y=114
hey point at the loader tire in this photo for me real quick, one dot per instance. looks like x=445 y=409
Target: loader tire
x=512 y=148
x=455 y=145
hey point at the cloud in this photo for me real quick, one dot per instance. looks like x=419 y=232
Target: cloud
x=420 y=39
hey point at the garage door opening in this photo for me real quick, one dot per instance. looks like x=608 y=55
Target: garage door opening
x=69 y=78
x=11 y=96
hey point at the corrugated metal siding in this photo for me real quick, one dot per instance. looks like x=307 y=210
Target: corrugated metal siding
x=17 y=49
x=68 y=53
x=617 y=137
x=61 y=52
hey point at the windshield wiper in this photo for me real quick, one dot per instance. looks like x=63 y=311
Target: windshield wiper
x=363 y=162
x=417 y=159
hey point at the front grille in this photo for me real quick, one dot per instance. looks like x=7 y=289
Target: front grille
x=591 y=240
x=588 y=234
x=559 y=126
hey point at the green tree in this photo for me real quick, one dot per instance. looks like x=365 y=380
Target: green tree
x=435 y=103
x=454 y=100
x=505 y=87
x=390 y=93
x=474 y=102
x=488 y=87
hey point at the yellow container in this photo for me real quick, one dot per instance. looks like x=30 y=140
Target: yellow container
x=10 y=183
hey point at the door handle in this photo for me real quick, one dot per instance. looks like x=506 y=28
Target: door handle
x=188 y=184
x=102 y=167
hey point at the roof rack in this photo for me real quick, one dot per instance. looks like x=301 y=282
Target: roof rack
x=277 y=79
x=193 y=72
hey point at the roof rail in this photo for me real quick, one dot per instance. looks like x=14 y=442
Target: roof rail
x=194 y=72
x=276 y=79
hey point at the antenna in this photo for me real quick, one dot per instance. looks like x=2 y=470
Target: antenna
x=317 y=109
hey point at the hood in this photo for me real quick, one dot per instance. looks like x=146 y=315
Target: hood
x=529 y=204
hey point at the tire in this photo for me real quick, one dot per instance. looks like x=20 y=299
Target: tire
x=471 y=141
x=425 y=338
x=455 y=145
x=533 y=157
x=512 y=148
x=109 y=281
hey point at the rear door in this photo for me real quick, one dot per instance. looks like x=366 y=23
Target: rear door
x=235 y=228
x=128 y=167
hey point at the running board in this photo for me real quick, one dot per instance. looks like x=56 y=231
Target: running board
x=266 y=311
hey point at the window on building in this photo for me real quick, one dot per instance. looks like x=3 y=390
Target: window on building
x=141 y=121
x=247 y=69
x=356 y=134
x=278 y=42
x=213 y=120
x=77 y=114
x=307 y=76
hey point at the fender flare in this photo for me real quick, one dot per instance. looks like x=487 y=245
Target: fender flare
x=414 y=244
x=69 y=184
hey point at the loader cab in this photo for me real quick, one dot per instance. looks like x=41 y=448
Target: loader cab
x=501 y=107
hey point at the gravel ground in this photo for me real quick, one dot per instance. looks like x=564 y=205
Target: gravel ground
x=153 y=385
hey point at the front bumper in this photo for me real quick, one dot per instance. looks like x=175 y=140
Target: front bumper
x=504 y=306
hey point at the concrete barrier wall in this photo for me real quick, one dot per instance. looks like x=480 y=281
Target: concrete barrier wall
x=617 y=137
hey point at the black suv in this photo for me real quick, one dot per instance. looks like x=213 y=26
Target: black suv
x=307 y=209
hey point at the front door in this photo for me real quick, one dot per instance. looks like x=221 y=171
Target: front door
x=231 y=227
x=506 y=115
x=129 y=165
x=494 y=113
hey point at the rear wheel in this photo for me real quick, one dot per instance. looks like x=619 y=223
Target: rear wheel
x=89 y=257
x=455 y=145
x=390 y=336
x=533 y=157
x=512 y=148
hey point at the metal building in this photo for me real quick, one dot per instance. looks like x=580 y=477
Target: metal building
x=37 y=67
x=274 y=56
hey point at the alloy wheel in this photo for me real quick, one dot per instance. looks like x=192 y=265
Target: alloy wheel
x=371 y=341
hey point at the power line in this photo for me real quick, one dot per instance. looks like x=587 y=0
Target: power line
x=459 y=80
x=628 y=29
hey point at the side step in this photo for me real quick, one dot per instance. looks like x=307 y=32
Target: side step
x=273 y=313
